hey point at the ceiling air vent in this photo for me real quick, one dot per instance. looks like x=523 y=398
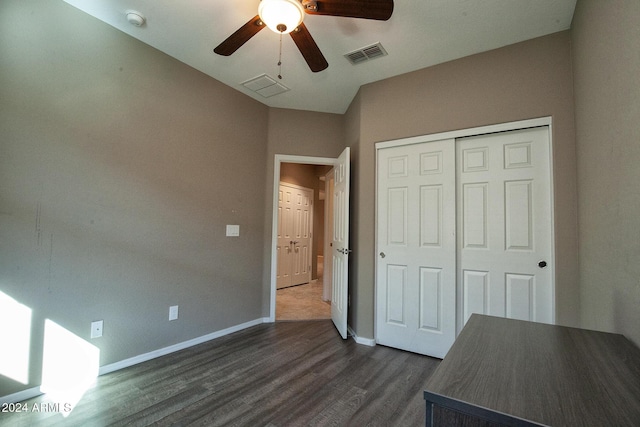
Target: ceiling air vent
x=366 y=53
x=265 y=86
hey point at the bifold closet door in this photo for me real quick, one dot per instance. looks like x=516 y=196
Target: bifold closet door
x=416 y=295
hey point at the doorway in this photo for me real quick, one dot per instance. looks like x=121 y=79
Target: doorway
x=339 y=253
x=300 y=243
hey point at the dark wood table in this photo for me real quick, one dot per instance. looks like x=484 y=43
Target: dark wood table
x=519 y=373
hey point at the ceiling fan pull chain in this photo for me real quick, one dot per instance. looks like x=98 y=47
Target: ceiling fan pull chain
x=280 y=59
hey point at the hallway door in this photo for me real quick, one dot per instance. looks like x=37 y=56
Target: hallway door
x=295 y=221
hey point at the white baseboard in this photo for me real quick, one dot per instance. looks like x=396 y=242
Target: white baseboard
x=177 y=347
x=364 y=341
x=35 y=391
x=21 y=395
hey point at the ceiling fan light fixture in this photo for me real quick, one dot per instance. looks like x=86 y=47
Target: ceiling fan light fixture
x=281 y=16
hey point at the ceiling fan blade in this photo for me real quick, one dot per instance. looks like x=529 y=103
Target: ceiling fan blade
x=240 y=37
x=368 y=9
x=309 y=49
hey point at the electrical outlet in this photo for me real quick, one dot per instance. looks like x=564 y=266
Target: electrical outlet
x=96 y=328
x=173 y=312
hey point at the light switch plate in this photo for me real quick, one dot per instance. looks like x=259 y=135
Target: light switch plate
x=233 y=230
x=173 y=312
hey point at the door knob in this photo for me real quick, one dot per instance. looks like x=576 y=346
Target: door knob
x=542 y=264
x=382 y=255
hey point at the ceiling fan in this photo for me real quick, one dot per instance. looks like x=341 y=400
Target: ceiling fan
x=286 y=16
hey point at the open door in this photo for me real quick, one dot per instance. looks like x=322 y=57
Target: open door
x=338 y=254
x=340 y=244
x=328 y=235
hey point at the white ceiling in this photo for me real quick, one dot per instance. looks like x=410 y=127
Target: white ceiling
x=420 y=33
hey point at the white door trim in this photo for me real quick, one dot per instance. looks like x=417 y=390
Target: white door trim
x=501 y=127
x=481 y=130
x=279 y=159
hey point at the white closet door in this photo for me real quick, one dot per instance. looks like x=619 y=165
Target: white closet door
x=463 y=226
x=505 y=226
x=416 y=284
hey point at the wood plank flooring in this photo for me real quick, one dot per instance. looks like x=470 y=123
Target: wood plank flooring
x=282 y=374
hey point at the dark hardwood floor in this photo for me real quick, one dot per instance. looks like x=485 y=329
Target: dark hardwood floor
x=282 y=374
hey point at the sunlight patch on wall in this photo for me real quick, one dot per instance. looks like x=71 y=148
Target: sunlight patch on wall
x=15 y=333
x=70 y=365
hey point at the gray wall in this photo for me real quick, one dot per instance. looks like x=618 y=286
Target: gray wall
x=294 y=133
x=522 y=81
x=606 y=63
x=119 y=168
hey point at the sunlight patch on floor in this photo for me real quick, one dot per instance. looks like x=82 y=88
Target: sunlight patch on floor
x=70 y=366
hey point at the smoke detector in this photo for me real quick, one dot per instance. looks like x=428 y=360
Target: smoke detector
x=135 y=18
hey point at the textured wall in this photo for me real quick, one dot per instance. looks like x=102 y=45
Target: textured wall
x=606 y=46
x=119 y=168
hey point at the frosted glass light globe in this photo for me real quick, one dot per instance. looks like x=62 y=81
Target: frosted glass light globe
x=281 y=16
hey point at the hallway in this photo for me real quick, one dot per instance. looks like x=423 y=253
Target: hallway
x=303 y=302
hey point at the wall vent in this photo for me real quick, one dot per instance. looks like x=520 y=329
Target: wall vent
x=366 y=53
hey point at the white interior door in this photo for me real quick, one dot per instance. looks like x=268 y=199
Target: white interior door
x=340 y=244
x=416 y=284
x=295 y=221
x=328 y=232
x=504 y=223
x=283 y=247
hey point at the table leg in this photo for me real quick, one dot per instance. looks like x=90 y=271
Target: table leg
x=429 y=414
